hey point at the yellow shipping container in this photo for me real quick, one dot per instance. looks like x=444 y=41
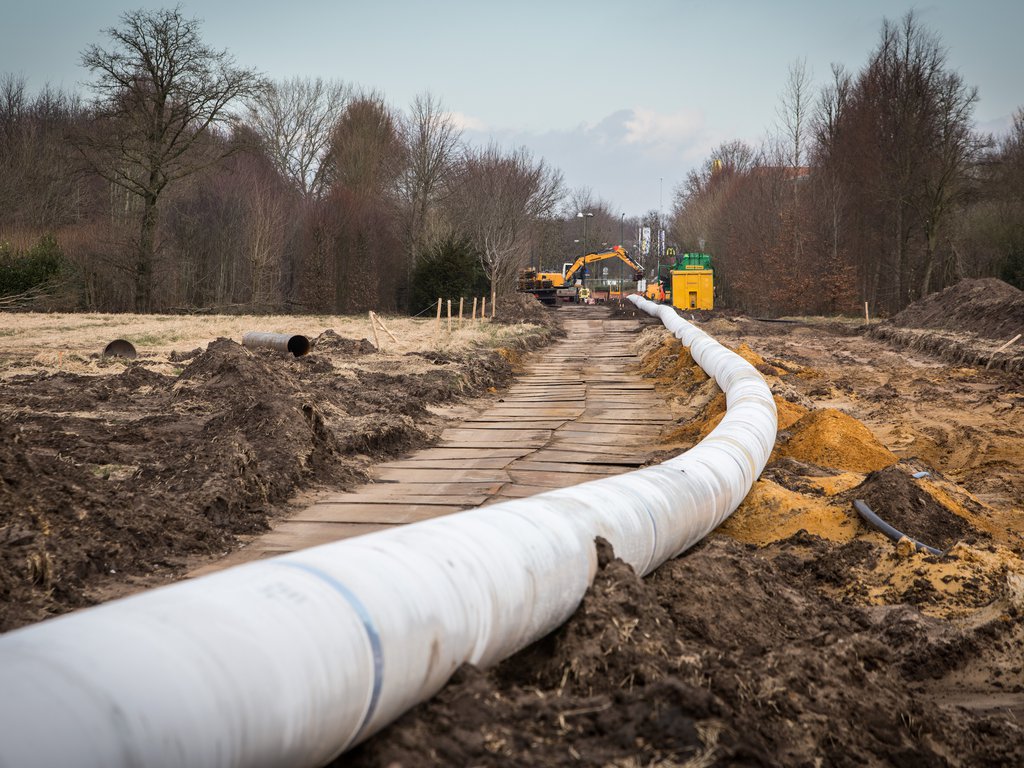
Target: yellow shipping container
x=693 y=289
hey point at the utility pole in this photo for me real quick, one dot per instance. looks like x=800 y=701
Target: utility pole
x=584 y=216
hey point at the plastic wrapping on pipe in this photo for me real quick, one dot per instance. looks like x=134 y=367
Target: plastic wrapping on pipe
x=290 y=661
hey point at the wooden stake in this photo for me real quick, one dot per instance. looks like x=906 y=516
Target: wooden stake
x=483 y=308
x=437 y=329
x=867 y=320
x=383 y=327
x=493 y=303
x=1007 y=344
x=472 y=318
x=373 y=327
x=461 y=301
x=449 y=315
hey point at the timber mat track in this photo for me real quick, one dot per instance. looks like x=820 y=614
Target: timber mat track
x=576 y=412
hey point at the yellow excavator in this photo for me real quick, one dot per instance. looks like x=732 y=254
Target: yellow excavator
x=552 y=287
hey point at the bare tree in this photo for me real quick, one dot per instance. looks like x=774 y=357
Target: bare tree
x=432 y=142
x=794 y=113
x=898 y=139
x=159 y=94
x=367 y=155
x=500 y=198
x=295 y=120
x=39 y=189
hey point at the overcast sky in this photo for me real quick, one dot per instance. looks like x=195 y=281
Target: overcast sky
x=624 y=98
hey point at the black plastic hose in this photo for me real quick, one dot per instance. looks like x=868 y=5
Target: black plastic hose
x=865 y=512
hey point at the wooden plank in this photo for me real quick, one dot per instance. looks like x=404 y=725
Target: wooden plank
x=490 y=444
x=584 y=456
x=573 y=443
x=488 y=422
x=562 y=467
x=362 y=499
x=456 y=476
x=495 y=434
x=290 y=536
x=600 y=427
x=485 y=462
x=466 y=453
x=392 y=490
x=517 y=491
x=551 y=479
x=374 y=513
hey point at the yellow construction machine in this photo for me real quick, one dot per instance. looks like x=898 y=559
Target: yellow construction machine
x=551 y=287
x=689 y=284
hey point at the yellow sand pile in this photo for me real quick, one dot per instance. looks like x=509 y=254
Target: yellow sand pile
x=672 y=365
x=968 y=579
x=744 y=351
x=789 y=413
x=830 y=438
x=771 y=513
x=836 y=484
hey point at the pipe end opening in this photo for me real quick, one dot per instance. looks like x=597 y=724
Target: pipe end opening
x=299 y=345
x=120 y=348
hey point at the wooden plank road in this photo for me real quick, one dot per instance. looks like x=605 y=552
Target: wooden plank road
x=576 y=413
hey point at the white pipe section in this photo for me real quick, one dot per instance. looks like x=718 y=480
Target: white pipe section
x=290 y=661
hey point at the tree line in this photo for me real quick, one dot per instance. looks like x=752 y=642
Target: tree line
x=186 y=181
x=875 y=188
x=183 y=181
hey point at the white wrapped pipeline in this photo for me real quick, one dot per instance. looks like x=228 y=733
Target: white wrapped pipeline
x=290 y=661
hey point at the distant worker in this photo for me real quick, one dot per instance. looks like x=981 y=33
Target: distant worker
x=583 y=295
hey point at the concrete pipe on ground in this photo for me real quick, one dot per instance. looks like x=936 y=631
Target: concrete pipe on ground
x=298 y=345
x=292 y=660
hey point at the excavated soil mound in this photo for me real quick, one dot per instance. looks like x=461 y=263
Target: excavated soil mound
x=987 y=307
x=329 y=341
x=523 y=308
x=106 y=481
x=830 y=438
x=771 y=512
x=901 y=501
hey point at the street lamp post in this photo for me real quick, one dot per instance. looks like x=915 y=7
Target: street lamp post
x=622 y=221
x=584 y=216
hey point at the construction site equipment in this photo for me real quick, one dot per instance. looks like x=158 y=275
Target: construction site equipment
x=693 y=282
x=293 y=659
x=298 y=345
x=551 y=287
x=120 y=348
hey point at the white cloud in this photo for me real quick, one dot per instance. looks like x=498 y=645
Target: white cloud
x=633 y=158
x=467 y=122
x=647 y=126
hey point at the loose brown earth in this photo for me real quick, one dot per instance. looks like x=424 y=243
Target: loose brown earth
x=795 y=635
x=116 y=475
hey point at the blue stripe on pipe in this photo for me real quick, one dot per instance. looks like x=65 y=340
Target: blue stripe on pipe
x=371 y=631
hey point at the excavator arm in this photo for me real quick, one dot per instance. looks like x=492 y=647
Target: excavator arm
x=618 y=252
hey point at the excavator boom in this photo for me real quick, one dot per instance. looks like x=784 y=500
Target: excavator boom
x=550 y=287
